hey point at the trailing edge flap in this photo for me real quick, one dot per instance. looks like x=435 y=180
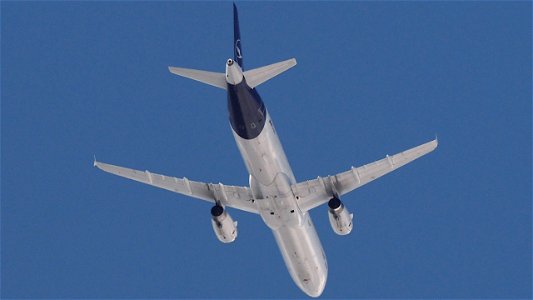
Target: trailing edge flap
x=257 y=76
x=212 y=78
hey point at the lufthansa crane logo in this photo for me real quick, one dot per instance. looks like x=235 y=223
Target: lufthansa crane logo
x=238 y=48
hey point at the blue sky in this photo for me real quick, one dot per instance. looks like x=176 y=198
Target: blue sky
x=373 y=78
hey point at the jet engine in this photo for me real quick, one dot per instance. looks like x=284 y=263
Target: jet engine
x=339 y=217
x=223 y=225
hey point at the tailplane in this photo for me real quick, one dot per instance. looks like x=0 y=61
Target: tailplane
x=257 y=76
x=253 y=77
x=212 y=78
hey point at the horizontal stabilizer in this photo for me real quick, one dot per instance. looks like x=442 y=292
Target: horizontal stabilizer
x=257 y=76
x=212 y=78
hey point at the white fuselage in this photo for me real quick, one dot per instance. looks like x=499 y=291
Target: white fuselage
x=271 y=178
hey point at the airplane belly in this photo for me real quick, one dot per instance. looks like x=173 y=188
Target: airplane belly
x=270 y=181
x=271 y=177
x=303 y=255
x=264 y=156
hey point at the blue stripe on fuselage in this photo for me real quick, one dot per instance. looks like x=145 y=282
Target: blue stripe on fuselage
x=247 y=112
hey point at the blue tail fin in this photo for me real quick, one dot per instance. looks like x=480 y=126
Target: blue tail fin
x=237 y=48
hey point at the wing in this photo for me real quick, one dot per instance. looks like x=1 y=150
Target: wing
x=232 y=196
x=313 y=193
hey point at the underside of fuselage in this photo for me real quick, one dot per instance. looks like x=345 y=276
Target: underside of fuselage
x=293 y=229
x=270 y=181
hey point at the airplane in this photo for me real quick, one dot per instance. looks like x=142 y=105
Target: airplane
x=273 y=192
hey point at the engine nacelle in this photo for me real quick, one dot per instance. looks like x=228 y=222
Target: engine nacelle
x=223 y=226
x=339 y=217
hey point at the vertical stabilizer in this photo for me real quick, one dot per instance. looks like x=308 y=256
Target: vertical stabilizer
x=237 y=48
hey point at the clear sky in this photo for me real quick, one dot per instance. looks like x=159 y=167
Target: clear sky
x=373 y=78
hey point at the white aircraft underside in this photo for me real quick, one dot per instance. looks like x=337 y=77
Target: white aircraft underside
x=274 y=194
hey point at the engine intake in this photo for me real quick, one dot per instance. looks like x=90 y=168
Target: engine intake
x=223 y=225
x=339 y=217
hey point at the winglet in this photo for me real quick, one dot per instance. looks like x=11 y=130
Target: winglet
x=95 y=163
x=435 y=142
